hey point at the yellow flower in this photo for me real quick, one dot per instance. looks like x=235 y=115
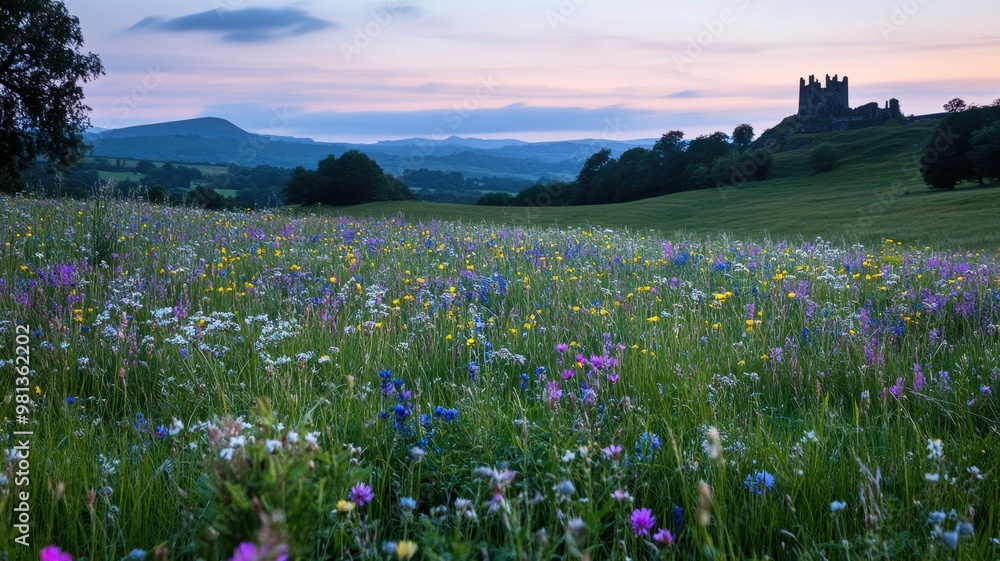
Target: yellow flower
x=344 y=506
x=791 y=295
x=405 y=549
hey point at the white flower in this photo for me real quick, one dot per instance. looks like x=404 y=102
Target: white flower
x=293 y=437
x=810 y=437
x=311 y=439
x=176 y=426
x=238 y=441
x=935 y=449
x=932 y=477
x=837 y=506
x=974 y=472
x=568 y=457
x=272 y=446
x=226 y=453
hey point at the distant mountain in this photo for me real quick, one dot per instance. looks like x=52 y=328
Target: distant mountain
x=218 y=141
x=206 y=127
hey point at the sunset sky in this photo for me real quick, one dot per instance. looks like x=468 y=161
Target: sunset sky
x=363 y=71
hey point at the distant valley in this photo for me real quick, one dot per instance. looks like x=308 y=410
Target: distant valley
x=212 y=140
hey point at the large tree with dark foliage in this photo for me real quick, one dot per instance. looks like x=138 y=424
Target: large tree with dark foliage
x=353 y=178
x=41 y=99
x=949 y=157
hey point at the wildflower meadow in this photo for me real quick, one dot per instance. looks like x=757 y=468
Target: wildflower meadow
x=184 y=384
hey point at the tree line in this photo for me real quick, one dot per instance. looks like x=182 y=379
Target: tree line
x=964 y=147
x=672 y=165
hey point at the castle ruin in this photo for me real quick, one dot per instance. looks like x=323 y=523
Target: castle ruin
x=818 y=101
x=830 y=102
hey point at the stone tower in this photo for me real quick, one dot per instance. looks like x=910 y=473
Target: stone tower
x=815 y=100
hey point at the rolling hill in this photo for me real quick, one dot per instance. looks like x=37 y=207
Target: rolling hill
x=217 y=141
x=875 y=192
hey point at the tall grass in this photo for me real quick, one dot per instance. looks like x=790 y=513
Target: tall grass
x=505 y=392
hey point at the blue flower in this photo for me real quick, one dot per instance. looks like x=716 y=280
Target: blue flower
x=759 y=482
x=407 y=503
x=161 y=432
x=648 y=443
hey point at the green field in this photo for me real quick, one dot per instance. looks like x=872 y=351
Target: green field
x=875 y=192
x=339 y=388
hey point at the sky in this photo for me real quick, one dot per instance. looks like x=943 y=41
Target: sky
x=363 y=71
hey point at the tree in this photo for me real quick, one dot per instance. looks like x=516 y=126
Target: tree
x=996 y=102
x=495 y=199
x=351 y=179
x=956 y=105
x=985 y=153
x=822 y=158
x=41 y=102
x=670 y=160
x=588 y=173
x=742 y=136
x=946 y=160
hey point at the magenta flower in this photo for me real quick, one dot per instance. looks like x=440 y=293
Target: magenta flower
x=53 y=553
x=248 y=551
x=642 y=521
x=362 y=494
x=663 y=536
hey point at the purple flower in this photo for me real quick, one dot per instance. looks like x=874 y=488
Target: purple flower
x=642 y=521
x=562 y=348
x=663 y=536
x=568 y=373
x=248 y=551
x=897 y=390
x=555 y=393
x=612 y=451
x=53 y=553
x=362 y=494
x=918 y=378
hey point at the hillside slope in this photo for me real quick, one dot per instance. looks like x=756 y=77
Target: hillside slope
x=875 y=192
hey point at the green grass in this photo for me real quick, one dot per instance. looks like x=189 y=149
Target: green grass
x=874 y=192
x=569 y=377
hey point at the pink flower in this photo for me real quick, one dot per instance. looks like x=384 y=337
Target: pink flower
x=620 y=494
x=642 y=521
x=248 y=551
x=612 y=451
x=53 y=553
x=663 y=536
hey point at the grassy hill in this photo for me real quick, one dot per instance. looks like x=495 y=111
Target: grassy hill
x=875 y=192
